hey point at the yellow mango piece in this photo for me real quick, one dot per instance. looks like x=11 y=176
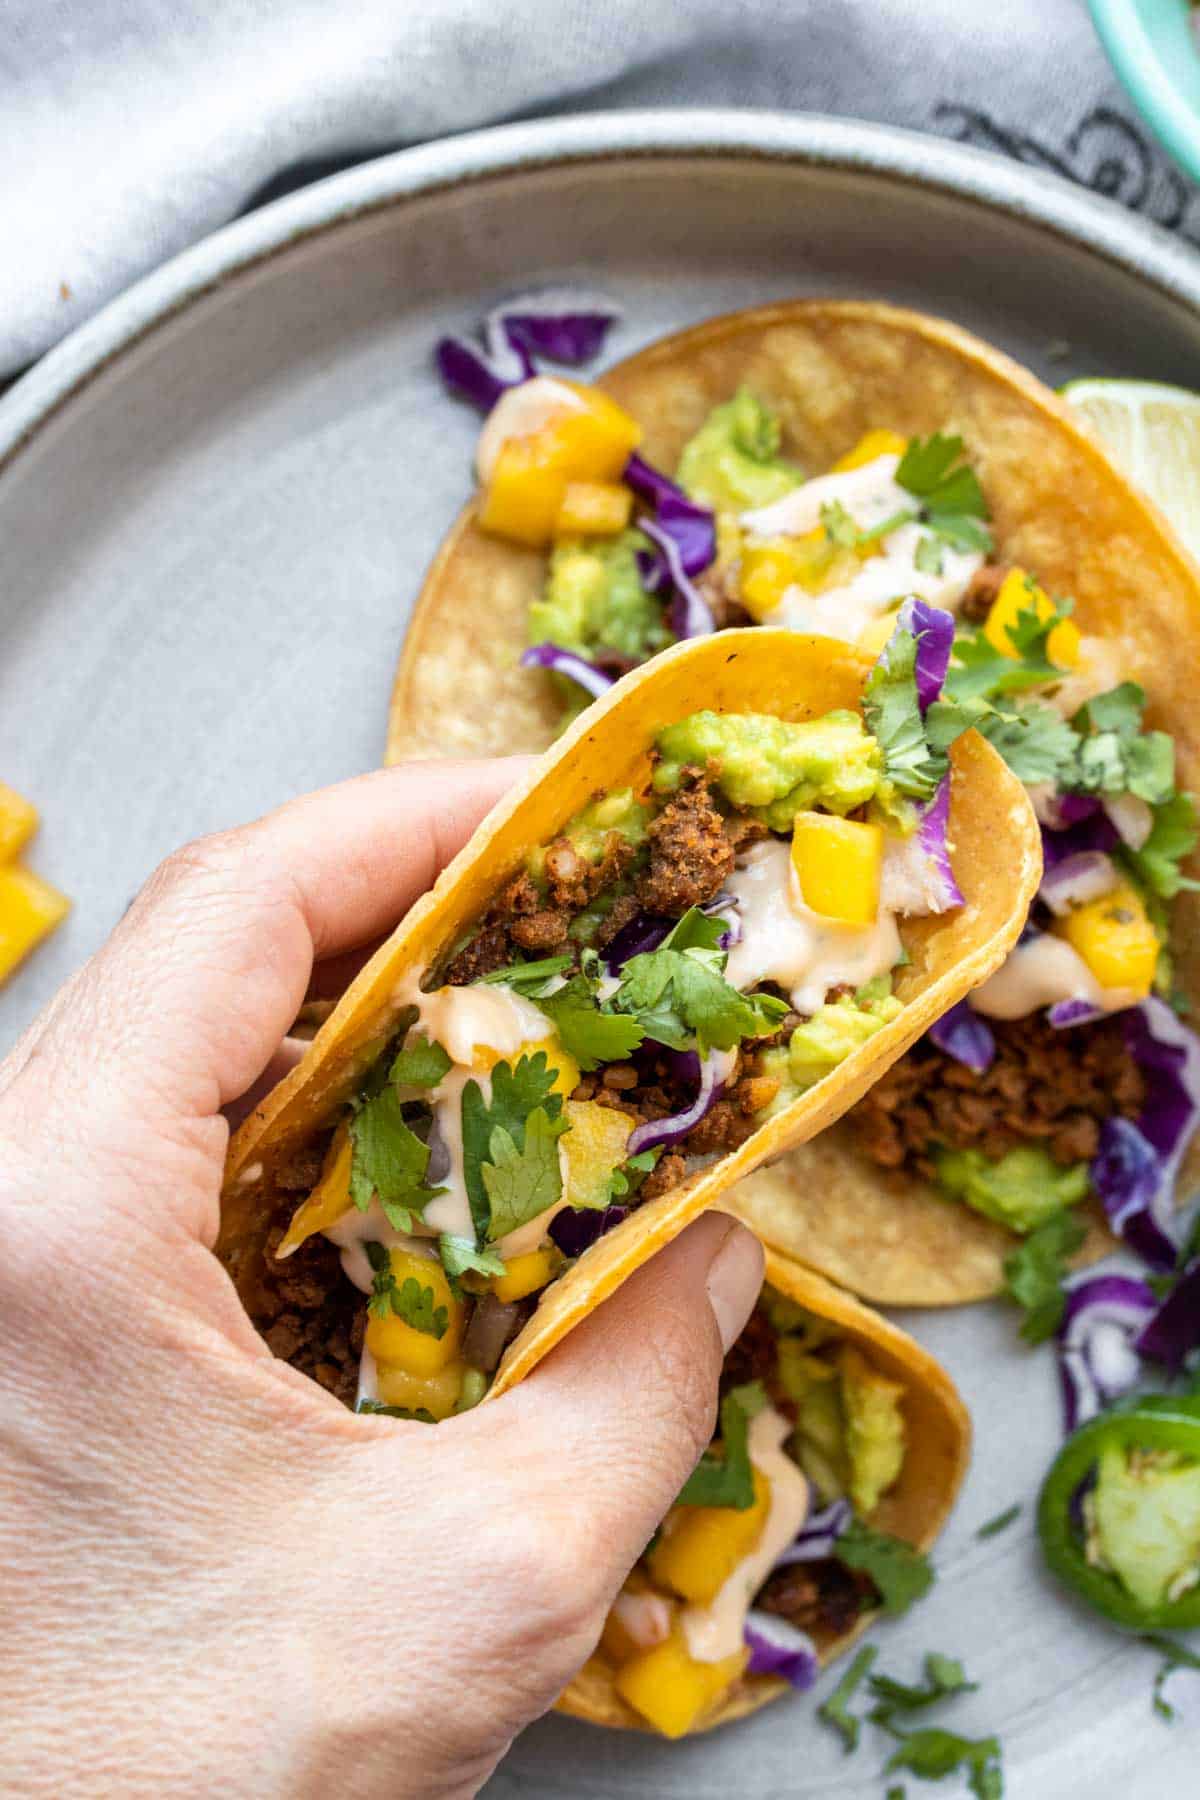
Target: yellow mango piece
x=529 y=480
x=18 y=821
x=437 y=1393
x=329 y=1200
x=596 y=442
x=391 y=1340
x=1016 y=596
x=872 y=445
x=705 y=1544
x=768 y=570
x=29 y=910
x=593 y=509
x=670 y=1690
x=594 y=1146
x=523 y=1275
x=838 y=863
x=1115 y=939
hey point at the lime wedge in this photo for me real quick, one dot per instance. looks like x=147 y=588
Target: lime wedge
x=1152 y=433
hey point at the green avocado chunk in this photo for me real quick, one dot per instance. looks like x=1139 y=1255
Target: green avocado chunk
x=835 y=1029
x=775 y=768
x=733 y=462
x=594 y=596
x=1145 y=1510
x=1022 y=1189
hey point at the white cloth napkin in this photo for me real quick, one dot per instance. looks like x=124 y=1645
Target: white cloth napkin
x=130 y=128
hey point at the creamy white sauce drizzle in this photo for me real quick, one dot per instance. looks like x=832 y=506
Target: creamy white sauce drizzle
x=714 y=1631
x=870 y=494
x=368 y=1378
x=522 y=410
x=784 y=941
x=355 y=1230
x=1039 y=972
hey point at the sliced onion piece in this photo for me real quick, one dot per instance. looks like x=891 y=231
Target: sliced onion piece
x=690 y=614
x=1173 y=1332
x=778 y=1648
x=1076 y=879
x=1135 y=1169
x=965 y=1037
x=918 y=877
x=715 y=1070
x=1130 y=817
x=1065 y=1014
x=586 y=674
x=1092 y=832
x=1098 y=1358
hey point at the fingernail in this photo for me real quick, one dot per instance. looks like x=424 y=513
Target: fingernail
x=735 y=1277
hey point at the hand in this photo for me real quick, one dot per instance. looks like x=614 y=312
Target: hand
x=215 y=1578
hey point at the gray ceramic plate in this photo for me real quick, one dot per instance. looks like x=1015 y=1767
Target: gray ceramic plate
x=216 y=504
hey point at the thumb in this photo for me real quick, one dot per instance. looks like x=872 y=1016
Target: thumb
x=628 y=1400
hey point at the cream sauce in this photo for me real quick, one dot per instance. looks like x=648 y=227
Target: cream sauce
x=1039 y=972
x=715 y=1631
x=870 y=494
x=355 y=1230
x=784 y=941
x=368 y=1378
x=519 y=412
x=846 y=612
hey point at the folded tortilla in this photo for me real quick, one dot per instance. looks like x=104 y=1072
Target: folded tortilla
x=832 y=371
x=915 y=1508
x=997 y=862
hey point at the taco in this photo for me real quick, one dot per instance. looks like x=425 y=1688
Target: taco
x=809 y=466
x=841 y=1448
x=582 y=1034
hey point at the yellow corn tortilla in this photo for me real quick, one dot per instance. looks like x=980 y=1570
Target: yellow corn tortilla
x=937 y=1454
x=833 y=370
x=997 y=859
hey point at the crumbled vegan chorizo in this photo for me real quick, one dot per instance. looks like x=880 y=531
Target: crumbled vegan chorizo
x=982 y=590
x=818 y=1595
x=690 y=851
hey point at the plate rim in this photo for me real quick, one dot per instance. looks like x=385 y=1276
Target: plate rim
x=1138 y=247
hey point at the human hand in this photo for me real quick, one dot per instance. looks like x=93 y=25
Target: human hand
x=216 y=1578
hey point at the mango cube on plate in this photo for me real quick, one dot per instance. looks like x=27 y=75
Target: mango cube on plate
x=18 y=821
x=29 y=910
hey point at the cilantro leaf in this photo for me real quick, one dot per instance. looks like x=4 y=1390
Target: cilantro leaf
x=993 y=1527
x=589 y=1033
x=934 y=1754
x=421 y=1063
x=678 y=991
x=409 y=1300
x=1034 y=740
x=1175 y=1656
x=952 y=499
x=521 y=1183
x=527 y=977
x=1118 y=710
x=893 y=715
x=728 y=1480
x=840 y=528
x=929 y=556
x=497 y=1128
x=1035 y=1270
x=901 y=1575
x=926 y=464
x=1115 y=755
x=388 y=1160
x=944 y=1675
x=836 y=1710
x=459 y=1255
x=1172 y=836
x=629 y=1178
x=980 y=671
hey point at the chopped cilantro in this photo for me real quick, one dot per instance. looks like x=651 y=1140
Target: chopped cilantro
x=929 y=556
x=420 y=1413
x=836 y=1710
x=389 y=1160
x=944 y=1675
x=459 y=1255
x=893 y=716
x=951 y=498
x=728 y=1480
x=933 y=1754
x=1172 y=836
x=510 y=1158
x=421 y=1063
x=901 y=1575
x=895 y=1793
x=527 y=977
x=408 y=1299
x=589 y=1033
x=1034 y=740
x=630 y=1176
x=678 y=992
x=1115 y=755
x=841 y=529
x=1175 y=1656
x=981 y=672
x=1035 y=1270
x=993 y=1527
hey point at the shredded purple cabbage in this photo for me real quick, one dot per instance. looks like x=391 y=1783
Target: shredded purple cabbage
x=574 y=1230
x=715 y=1070
x=933 y=629
x=778 y=1648
x=1098 y=1358
x=478 y=375
x=565 y=327
x=931 y=835
x=1092 y=832
x=1173 y=1332
x=962 y=1035
x=588 y=675
x=1067 y=1013
x=692 y=527
x=690 y=613
x=818 y=1536
x=644 y=932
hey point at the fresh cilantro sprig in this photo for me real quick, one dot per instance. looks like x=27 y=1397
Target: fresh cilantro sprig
x=679 y=996
x=528 y=977
x=993 y=1527
x=836 y=1710
x=1173 y=835
x=460 y=1257
x=728 y=1479
x=933 y=1754
x=388 y=1160
x=510 y=1146
x=981 y=671
x=1115 y=755
x=944 y=1675
x=892 y=710
x=841 y=529
x=952 y=502
x=1035 y=1270
x=901 y=1575
x=421 y=1064
x=408 y=1299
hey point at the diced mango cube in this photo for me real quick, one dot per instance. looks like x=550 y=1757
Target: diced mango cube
x=29 y=910
x=838 y=863
x=768 y=570
x=1017 y=594
x=1115 y=939
x=873 y=638
x=595 y=1145
x=529 y=480
x=18 y=821
x=670 y=1690
x=392 y=1340
x=329 y=1200
x=872 y=445
x=593 y=509
x=437 y=1393
x=598 y=440
x=524 y=1275
x=704 y=1544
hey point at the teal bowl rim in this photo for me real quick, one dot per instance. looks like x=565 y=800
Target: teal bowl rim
x=1140 y=70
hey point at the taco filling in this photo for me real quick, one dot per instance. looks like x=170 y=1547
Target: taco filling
x=1039 y=1090
x=672 y=969
x=759 y=1566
